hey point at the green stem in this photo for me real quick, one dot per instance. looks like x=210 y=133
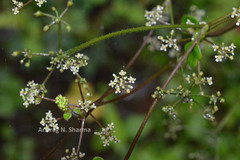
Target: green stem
x=171 y=12
x=125 y=31
x=60 y=35
x=48 y=76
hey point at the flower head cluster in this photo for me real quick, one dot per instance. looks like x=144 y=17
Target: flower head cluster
x=170 y=110
x=62 y=102
x=154 y=15
x=236 y=13
x=223 y=52
x=210 y=110
x=33 y=93
x=198 y=79
x=40 y=2
x=86 y=105
x=19 y=5
x=106 y=135
x=49 y=123
x=74 y=155
x=63 y=62
x=168 y=42
x=122 y=82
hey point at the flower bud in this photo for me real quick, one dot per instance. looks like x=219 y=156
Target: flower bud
x=46 y=28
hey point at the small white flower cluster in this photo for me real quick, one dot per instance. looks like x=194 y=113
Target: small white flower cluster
x=168 y=42
x=122 y=82
x=65 y=62
x=18 y=6
x=198 y=79
x=154 y=15
x=211 y=110
x=223 y=52
x=74 y=155
x=236 y=13
x=40 y=2
x=86 y=105
x=49 y=123
x=32 y=94
x=106 y=135
x=170 y=110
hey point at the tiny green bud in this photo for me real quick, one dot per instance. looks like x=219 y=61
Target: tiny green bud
x=38 y=13
x=68 y=28
x=54 y=9
x=51 y=52
x=70 y=3
x=16 y=53
x=27 y=64
x=46 y=28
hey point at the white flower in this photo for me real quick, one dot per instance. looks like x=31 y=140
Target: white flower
x=154 y=15
x=122 y=82
x=49 y=122
x=209 y=80
x=236 y=13
x=106 y=135
x=168 y=42
x=224 y=52
x=86 y=105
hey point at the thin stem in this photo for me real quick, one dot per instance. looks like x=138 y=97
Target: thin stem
x=60 y=35
x=130 y=30
x=139 y=50
x=62 y=14
x=80 y=90
x=48 y=76
x=26 y=3
x=156 y=100
x=171 y=12
x=81 y=134
x=49 y=15
x=227 y=117
x=96 y=120
x=216 y=21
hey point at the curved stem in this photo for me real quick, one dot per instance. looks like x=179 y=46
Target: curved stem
x=130 y=30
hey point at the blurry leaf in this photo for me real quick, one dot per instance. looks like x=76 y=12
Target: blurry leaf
x=185 y=18
x=67 y=116
x=97 y=158
x=194 y=56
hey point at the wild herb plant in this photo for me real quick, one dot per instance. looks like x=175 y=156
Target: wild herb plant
x=186 y=53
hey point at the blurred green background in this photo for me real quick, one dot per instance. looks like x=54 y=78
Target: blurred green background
x=189 y=137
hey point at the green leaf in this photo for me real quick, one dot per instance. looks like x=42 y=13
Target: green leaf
x=192 y=19
x=194 y=56
x=67 y=115
x=97 y=158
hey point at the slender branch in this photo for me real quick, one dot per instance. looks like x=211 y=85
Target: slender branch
x=130 y=30
x=81 y=134
x=139 y=50
x=156 y=100
x=96 y=120
x=60 y=35
x=171 y=12
x=80 y=90
x=48 y=76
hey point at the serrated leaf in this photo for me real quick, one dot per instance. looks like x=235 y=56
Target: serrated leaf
x=67 y=115
x=97 y=158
